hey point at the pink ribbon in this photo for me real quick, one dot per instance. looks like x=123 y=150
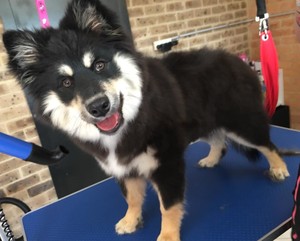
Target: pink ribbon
x=42 y=11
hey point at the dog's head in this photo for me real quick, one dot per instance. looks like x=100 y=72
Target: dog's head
x=84 y=74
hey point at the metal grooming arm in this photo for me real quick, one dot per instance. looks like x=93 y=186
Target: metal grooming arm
x=29 y=151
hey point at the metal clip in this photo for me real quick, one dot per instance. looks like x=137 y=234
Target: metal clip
x=263 y=26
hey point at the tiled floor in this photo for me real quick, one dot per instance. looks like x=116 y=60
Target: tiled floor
x=285 y=237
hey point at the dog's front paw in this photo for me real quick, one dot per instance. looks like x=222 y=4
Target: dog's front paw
x=128 y=225
x=278 y=174
x=168 y=237
x=208 y=162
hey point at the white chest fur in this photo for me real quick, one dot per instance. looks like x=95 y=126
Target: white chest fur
x=143 y=164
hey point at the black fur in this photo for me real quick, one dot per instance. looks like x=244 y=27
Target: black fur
x=227 y=93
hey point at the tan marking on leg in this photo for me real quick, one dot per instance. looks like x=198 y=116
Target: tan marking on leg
x=278 y=169
x=217 y=144
x=170 y=221
x=213 y=157
x=135 y=197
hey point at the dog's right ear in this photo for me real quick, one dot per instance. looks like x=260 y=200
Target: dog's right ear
x=90 y=16
x=24 y=48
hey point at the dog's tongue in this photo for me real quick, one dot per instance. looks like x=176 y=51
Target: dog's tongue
x=109 y=123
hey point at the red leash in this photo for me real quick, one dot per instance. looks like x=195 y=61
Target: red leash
x=269 y=58
x=269 y=65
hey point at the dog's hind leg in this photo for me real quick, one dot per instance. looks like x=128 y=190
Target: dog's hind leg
x=278 y=169
x=217 y=149
x=134 y=192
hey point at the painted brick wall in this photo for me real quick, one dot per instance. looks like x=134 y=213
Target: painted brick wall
x=26 y=181
x=152 y=20
x=288 y=49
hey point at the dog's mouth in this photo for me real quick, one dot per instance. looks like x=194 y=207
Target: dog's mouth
x=110 y=124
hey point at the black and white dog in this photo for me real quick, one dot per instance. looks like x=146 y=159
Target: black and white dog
x=136 y=114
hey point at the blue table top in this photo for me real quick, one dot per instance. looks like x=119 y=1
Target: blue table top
x=233 y=201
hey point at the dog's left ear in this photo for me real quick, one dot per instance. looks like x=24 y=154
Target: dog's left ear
x=90 y=16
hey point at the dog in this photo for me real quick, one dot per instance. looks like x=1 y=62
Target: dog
x=137 y=114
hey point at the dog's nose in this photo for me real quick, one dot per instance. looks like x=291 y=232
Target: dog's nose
x=99 y=107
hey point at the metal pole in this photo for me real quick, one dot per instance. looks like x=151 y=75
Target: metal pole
x=227 y=25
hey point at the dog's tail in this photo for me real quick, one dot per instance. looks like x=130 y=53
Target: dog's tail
x=285 y=151
x=288 y=152
x=253 y=154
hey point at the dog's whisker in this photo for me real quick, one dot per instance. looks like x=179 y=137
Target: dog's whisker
x=133 y=96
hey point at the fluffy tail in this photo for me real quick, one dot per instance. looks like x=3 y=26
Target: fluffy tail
x=288 y=152
x=251 y=153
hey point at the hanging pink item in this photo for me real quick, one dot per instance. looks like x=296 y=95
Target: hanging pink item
x=269 y=65
x=268 y=57
x=42 y=12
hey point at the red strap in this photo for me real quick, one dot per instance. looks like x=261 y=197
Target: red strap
x=269 y=62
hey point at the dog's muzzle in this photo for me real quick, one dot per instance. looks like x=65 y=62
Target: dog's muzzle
x=99 y=107
x=107 y=116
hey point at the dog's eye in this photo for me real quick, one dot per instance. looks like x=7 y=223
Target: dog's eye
x=67 y=82
x=99 y=66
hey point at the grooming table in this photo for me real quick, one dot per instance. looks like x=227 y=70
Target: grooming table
x=233 y=201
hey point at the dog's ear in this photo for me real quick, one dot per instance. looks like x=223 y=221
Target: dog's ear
x=23 y=48
x=90 y=16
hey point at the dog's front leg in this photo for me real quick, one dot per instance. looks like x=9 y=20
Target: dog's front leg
x=134 y=192
x=170 y=190
x=171 y=222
